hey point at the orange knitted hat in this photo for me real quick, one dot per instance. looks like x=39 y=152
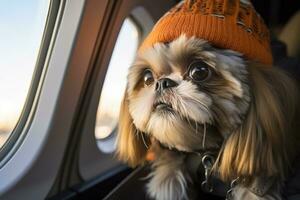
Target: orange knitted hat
x=227 y=24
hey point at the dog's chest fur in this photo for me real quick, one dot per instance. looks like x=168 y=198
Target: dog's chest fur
x=180 y=175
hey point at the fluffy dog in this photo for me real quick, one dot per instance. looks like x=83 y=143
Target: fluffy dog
x=187 y=96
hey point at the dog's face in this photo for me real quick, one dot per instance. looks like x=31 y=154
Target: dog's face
x=187 y=94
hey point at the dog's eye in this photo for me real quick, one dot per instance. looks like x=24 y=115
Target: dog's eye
x=148 y=77
x=199 y=71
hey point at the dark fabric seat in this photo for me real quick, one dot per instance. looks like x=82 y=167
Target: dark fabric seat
x=292 y=186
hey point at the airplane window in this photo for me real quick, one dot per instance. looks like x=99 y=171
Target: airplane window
x=22 y=24
x=115 y=80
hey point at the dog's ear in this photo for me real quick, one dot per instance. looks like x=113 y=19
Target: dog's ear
x=261 y=145
x=131 y=143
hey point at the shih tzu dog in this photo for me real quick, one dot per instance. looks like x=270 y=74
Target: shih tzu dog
x=191 y=95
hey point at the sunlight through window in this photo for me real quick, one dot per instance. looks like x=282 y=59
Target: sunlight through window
x=115 y=80
x=22 y=24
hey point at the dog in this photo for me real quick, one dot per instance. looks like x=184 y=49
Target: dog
x=187 y=96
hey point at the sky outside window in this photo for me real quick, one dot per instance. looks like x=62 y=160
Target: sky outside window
x=21 y=29
x=116 y=79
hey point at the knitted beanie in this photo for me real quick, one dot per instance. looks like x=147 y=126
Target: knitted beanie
x=227 y=24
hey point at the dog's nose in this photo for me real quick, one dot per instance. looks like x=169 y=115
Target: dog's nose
x=165 y=83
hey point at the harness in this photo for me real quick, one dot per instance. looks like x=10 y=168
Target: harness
x=201 y=162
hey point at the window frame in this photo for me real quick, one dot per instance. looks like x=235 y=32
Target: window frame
x=43 y=158
x=92 y=161
x=19 y=132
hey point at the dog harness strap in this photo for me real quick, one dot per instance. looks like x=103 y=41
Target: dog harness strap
x=200 y=164
x=261 y=185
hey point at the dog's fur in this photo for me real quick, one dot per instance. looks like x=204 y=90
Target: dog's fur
x=244 y=107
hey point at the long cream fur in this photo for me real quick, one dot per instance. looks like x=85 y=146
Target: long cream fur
x=264 y=144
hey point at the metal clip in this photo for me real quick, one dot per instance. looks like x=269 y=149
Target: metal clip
x=232 y=185
x=207 y=162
